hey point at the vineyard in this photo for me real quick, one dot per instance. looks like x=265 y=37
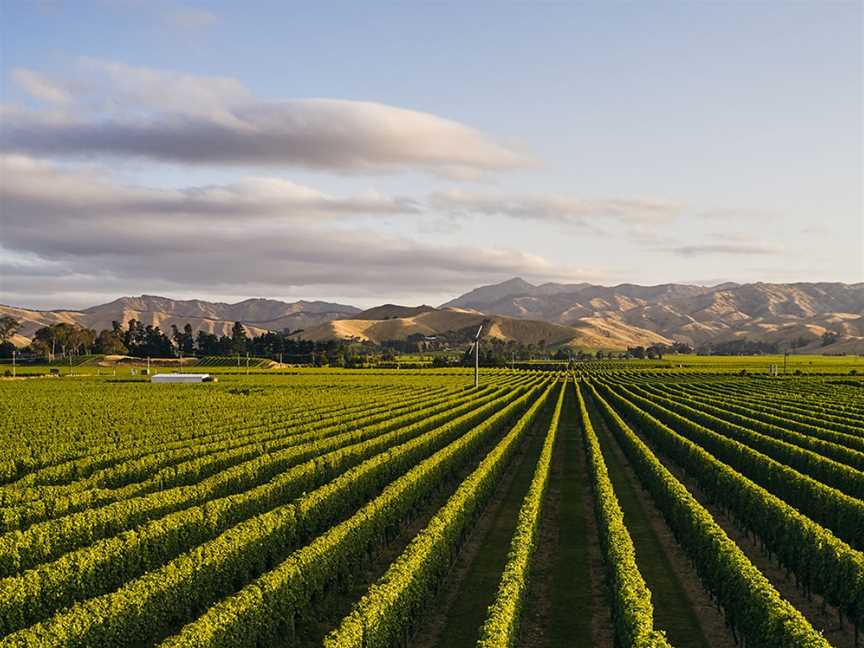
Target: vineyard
x=592 y=506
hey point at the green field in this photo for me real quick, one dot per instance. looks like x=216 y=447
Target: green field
x=621 y=503
x=804 y=363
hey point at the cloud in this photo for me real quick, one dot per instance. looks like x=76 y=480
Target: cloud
x=40 y=87
x=126 y=111
x=252 y=237
x=555 y=208
x=89 y=194
x=736 y=249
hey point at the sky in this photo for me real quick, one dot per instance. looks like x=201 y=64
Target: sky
x=408 y=152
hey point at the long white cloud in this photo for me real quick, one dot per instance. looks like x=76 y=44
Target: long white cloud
x=555 y=208
x=89 y=192
x=735 y=249
x=120 y=110
x=79 y=229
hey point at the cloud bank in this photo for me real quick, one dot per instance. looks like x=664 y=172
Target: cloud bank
x=256 y=236
x=555 y=208
x=120 y=110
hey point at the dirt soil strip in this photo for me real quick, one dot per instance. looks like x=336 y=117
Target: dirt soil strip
x=566 y=597
x=682 y=607
x=821 y=616
x=454 y=619
x=330 y=611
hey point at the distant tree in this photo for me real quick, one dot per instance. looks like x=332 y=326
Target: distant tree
x=682 y=347
x=188 y=339
x=829 y=337
x=239 y=340
x=6 y=349
x=142 y=341
x=9 y=326
x=799 y=342
x=207 y=343
x=636 y=352
x=110 y=343
x=656 y=351
x=184 y=340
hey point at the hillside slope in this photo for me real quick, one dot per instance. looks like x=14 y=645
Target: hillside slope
x=258 y=315
x=449 y=320
x=802 y=312
x=582 y=315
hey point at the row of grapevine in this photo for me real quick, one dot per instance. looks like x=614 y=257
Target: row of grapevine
x=49 y=539
x=820 y=416
x=95 y=470
x=753 y=607
x=833 y=472
x=389 y=610
x=76 y=421
x=109 y=563
x=66 y=480
x=268 y=608
x=821 y=561
x=834 y=509
x=843 y=447
x=501 y=628
x=632 y=611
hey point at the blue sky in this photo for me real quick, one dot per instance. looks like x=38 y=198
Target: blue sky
x=649 y=143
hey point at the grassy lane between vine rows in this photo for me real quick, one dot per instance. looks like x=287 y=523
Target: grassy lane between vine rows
x=568 y=570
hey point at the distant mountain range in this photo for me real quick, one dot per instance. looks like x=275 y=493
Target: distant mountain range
x=579 y=315
x=259 y=315
x=767 y=312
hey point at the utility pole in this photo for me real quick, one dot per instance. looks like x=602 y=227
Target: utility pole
x=785 y=357
x=247 y=363
x=477 y=364
x=477 y=355
x=14 y=351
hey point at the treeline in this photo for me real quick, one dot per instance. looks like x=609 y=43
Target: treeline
x=657 y=351
x=139 y=340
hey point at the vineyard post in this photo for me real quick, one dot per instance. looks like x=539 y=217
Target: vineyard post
x=247 y=363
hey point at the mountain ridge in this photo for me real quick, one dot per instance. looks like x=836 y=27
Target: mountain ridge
x=594 y=315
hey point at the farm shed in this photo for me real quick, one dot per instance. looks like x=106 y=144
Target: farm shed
x=181 y=378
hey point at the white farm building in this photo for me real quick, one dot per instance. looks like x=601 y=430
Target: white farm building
x=181 y=378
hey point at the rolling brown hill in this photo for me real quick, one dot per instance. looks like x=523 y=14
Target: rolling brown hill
x=258 y=315
x=439 y=321
x=694 y=314
x=579 y=315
